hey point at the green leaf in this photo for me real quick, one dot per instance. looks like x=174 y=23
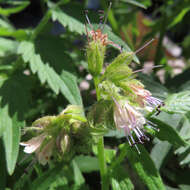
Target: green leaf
x=67 y=21
x=19 y=34
x=159 y=153
x=177 y=103
x=78 y=177
x=47 y=178
x=144 y=167
x=179 y=17
x=13 y=10
x=66 y=83
x=168 y=133
x=120 y=179
x=13 y=107
x=87 y=163
x=7 y=46
x=135 y=3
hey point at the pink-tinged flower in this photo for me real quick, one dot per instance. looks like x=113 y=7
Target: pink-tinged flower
x=145 y=98
x=130 y=120
x=33 y=144
x=44 y=154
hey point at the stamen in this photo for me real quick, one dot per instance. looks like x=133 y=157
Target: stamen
x=152 y=67
x=137 y=51
x=106 y=17
x=88 y=20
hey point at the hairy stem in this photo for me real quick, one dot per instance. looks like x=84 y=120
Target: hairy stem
x=101 y=154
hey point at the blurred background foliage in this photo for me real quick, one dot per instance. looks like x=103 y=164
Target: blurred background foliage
x=43 y=68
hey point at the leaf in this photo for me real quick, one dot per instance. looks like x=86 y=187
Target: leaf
x=120 y=179
x=177 y=103
x=13 y=107
x=168 y=133
x=179 y=17
x=19 y=34
x=67 y=86
x=47 y=178
x=78 y=177
x=13 y=10
x=135 y=3
x=67 y=21
x=87 y=163
x=159 y=153
x=7 y=46
x=144 y=167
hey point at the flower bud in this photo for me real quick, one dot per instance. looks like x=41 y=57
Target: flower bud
x=95 y=57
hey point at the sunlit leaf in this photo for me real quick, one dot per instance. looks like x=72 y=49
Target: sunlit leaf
x=177 y=103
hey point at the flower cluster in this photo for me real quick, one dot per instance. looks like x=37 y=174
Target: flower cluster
x=54 y=136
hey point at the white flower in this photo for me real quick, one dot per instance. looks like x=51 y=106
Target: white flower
x=145 y=98
x=33 y=144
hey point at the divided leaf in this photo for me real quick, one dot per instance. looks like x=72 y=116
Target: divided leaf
x=178 y=103
x=66 y=83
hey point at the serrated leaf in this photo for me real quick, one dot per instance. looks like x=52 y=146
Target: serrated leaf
x=12 y=109
x=168 y=133
x=67 y=21
x=66 y=84
x=144 y=167
x=13 y=10
x=178 y=103
x=7 y=46
x=87 y=163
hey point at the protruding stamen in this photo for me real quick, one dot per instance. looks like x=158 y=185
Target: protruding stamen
x=137 y=51
x=106 y=17
x=140 y=70
x=88 y=20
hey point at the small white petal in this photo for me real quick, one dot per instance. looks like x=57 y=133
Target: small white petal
x=33 y=144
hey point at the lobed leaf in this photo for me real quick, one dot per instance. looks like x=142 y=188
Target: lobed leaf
x=178 y=103
x=66 y=83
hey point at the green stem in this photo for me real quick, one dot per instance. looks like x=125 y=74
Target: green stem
x=41 y=25
x=101 y=153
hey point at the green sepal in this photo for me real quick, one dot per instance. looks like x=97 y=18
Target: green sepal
x=95 y=57
x=100 y=116
x=119 y=69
